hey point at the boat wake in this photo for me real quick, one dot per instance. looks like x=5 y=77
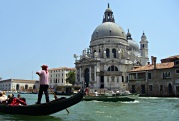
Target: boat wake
x=159 y=98
x=135 y=101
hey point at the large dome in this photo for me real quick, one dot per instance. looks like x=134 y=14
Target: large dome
x=108 y=29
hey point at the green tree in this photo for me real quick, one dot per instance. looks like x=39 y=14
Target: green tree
x=71 y=77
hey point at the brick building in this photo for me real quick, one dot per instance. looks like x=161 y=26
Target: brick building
x=156 y=79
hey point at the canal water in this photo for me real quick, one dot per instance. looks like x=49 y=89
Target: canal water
x=142 y=109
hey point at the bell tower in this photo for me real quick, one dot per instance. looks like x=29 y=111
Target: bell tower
x=144 y=46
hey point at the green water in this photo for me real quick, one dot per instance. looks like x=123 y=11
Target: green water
x=143 y=109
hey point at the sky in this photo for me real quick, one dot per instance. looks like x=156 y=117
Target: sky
x=36 y=32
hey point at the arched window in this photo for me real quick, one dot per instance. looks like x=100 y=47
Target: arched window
x=99 y=52
x=114 y=53
x=109 y=69
x=34 y=87
x=26 y=86
x=107 y=53
x=94 y=53
x=112 y=68
x=17 y=87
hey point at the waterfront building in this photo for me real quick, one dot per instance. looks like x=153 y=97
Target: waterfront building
x=111 y=54
x=19 y=85
x=156 y=79
x=58 y=76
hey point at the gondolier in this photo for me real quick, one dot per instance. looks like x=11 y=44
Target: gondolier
x=44 y=83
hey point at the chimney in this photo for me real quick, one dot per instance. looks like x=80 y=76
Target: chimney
x=154 y=59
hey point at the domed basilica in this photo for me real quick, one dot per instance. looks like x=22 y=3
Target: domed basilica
x=111 y=54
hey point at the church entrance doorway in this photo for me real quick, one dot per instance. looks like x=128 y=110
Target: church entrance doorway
x=102 y=82
x=86 y=76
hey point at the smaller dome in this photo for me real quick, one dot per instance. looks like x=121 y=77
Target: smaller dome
x=133 y=45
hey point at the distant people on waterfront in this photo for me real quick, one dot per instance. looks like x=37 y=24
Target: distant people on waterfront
x=117 y=92
x=95 y=93
x=44 y=83
x=113 y=93
x=87 y=91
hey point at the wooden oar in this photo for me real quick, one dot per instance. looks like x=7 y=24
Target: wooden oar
x=55 y=96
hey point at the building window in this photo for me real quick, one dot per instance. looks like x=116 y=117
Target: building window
x=161 y=88
x=133 y=90
x=177 y=62
x=166 y=75
x=141 y=75
x=132 y=76
x=177 y=71
x=122 y=78
x=26 y=86
x=149 y=76
x=94 y=53
x=112 y=68
x=107 y=53
x=114 y=53
x=150 y=88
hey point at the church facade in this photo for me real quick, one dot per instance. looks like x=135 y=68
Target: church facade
x=111 y=54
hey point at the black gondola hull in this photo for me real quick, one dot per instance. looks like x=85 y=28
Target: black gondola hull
x=44 y=108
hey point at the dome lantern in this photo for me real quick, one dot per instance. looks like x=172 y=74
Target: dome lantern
x=129 y=35
x=108 y=15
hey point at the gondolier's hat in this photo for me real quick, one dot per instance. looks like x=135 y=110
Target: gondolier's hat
x=44 y=66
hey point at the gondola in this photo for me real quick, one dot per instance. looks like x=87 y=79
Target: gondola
x=43 y=108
